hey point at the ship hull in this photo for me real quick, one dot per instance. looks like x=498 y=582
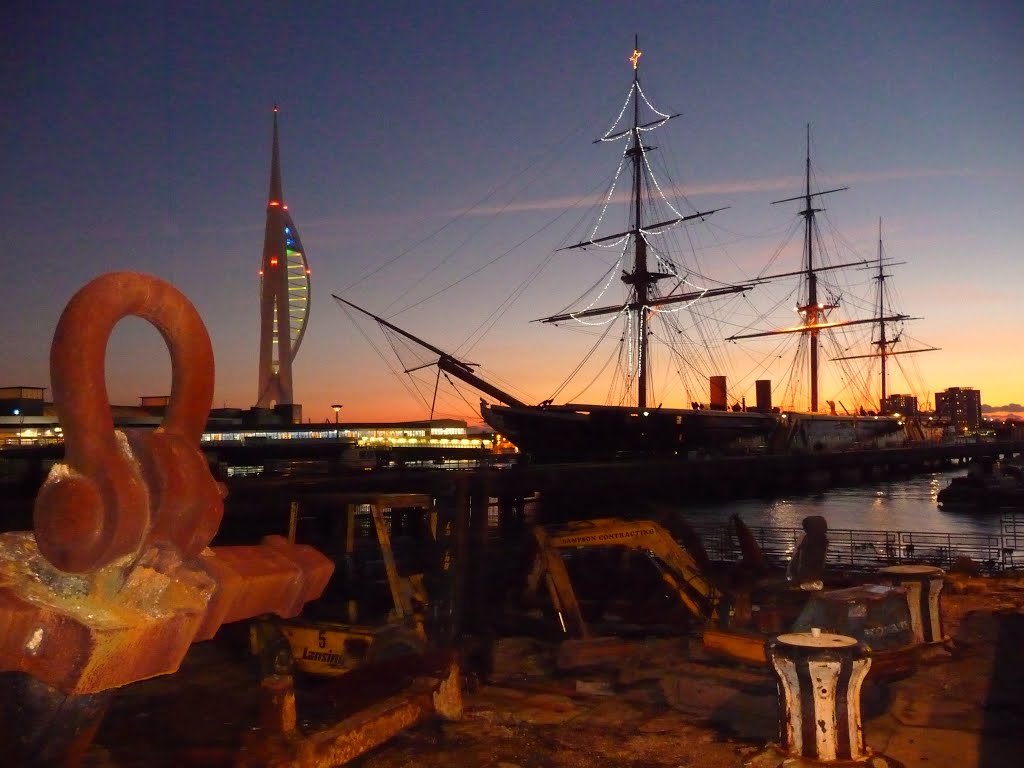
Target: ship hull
x=574 y=432
x=812 y=433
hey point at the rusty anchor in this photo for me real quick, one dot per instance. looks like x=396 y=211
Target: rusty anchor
x=117 y=580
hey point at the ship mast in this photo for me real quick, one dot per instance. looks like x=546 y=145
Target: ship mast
x=812 y=312
x=642 y=299
x=884 y=344
x=641 y=280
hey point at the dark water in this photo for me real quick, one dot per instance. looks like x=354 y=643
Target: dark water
x=907 y=504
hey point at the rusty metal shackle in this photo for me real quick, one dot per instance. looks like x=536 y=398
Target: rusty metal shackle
x=111 y=495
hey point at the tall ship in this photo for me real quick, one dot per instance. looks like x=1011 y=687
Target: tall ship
x=668 y=395
x=633 y=420
x=661 y=290
x=872 y=419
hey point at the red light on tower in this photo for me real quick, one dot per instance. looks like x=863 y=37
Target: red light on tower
x=273 y=261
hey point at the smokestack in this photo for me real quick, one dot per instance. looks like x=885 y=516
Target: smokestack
x=719 y=401
x=763 y=390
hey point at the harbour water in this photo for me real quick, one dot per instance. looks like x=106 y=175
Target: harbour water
x=883 y=516
x=907 y=504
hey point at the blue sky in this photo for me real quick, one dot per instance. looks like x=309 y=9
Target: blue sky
x=137 y=136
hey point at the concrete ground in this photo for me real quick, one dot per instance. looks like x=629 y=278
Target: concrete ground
x=656 y=706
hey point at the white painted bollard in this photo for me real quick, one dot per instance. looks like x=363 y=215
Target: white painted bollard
x=820 y=676
x=924 y=590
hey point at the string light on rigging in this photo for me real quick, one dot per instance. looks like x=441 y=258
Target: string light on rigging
x=604 y=208
x=629 y=343
x=661 y=193
x=608 y=134
x=611 y=276
x=653 y=109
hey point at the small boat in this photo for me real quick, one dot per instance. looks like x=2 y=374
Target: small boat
x=1001 y=488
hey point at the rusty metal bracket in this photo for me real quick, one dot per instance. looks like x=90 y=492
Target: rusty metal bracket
x=118 y=580
x=113 y=494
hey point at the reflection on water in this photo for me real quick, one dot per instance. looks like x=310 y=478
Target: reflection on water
x=901 y=505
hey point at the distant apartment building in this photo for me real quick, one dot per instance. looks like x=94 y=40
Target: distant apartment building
x=21 y=401
x=960 y=406
x=905 y=405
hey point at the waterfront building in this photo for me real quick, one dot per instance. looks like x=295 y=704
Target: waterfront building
x=236 y=445
x=26 y=419
x=905 y=405
x=284 y=299
x=960 y=406
x=432 y=432
x=21 y=401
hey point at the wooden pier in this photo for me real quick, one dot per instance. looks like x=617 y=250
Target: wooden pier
x=670 y=480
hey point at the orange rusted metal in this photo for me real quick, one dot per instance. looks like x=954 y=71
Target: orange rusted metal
x=435 y=692
x=112 y=496
x=117 y=580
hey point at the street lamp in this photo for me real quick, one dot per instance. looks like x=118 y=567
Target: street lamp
x=337 y=410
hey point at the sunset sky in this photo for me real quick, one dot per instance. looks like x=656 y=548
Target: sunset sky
x=429 y=151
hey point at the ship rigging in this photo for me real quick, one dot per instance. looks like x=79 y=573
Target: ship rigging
x=886 y=345
x=633 y=422
x=643 y=295
x=815 y=311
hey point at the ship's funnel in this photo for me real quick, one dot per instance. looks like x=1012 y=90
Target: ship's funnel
x=763 y=390
x=719 y=400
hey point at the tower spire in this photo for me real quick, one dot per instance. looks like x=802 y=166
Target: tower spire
x=284 y=295
x=276 y=195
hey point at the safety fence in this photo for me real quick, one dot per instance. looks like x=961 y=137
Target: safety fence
x=870 y=549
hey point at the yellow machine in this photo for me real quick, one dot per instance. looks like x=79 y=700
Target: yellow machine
x=675 y=565
x=368 y=634
x=353 y=623
x=732 y=622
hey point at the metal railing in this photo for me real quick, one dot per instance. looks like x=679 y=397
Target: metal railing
x=869 y=549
